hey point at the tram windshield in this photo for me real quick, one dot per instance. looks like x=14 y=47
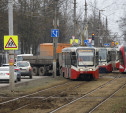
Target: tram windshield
x=125 y=52
x=85 y=57
x=102 y=55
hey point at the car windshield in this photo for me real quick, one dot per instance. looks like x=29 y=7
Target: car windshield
x=22 y=64
x=85 y=57
x=102 y=55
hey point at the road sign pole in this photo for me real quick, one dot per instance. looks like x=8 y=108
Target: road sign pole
x=55 y=41
x=11 y=52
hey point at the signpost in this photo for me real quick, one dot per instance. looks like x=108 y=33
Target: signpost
x=55 y=35
x=11 y=44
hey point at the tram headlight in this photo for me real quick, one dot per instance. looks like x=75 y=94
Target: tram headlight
x=90 y=69
x=103 y=64
x=81 y=69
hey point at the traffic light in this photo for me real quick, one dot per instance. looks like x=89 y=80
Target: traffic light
x=93 y=35
x=113 y=43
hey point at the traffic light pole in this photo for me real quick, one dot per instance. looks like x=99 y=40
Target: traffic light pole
x=11 y=52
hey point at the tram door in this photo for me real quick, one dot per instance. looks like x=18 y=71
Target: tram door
x=68 y=64
x=113 y=59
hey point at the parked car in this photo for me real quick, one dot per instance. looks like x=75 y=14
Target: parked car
x=16 y=69
x=4 y=74
x=25 y=68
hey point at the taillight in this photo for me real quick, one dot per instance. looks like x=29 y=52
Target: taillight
x=29 y=68
x=7 y=74
x=16 y=70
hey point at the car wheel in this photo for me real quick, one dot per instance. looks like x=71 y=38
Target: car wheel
x=30 y=76
x=19 y=79
x=15 y=81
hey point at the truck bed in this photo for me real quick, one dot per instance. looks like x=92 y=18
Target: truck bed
x=39 y=60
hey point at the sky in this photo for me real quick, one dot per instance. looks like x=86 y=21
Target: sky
x=113 y=9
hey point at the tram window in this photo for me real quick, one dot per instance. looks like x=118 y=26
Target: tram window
x=67 y=59
x=125 y=53
x=117 y=56
x=121 y=57
x=97 y=59
x=63 y=59
x=109 y=57
x=102 y=54
x=73 y=59
x=113 y=55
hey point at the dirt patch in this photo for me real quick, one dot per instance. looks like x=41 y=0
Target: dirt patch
x=37 y=103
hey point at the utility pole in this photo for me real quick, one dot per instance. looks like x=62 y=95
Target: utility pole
x=106 y=30
x=98 y=40
x=75 y=18
x=85 y=25
x=86 y=22
x=99 y=27
x=11 y=52
x=55 y=41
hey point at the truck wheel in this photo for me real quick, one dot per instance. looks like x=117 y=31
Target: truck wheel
x=34 y=71
x=42 y=71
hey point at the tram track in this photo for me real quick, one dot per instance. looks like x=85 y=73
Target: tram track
x=31 y=96
x=90 y=92
x=102 y=102
x=73 y=98
x=45 y=98
x=11 y=100
x=60 y=95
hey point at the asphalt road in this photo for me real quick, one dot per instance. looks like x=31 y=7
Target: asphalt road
x=23 y=79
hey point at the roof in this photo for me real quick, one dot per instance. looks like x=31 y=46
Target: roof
x=72 y=49
x=50 y=44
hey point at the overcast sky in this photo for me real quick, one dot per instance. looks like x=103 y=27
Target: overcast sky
x=114 y=10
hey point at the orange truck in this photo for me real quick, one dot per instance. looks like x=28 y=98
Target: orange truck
x=46 y=49
x=43 y=64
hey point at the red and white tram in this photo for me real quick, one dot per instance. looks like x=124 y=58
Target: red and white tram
x=122 y=58
x=80 y=62
x=107 y=57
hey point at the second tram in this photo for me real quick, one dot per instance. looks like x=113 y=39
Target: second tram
x=80 y=62
x=107 y=57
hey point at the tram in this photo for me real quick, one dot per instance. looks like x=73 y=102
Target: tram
x=80 y=62
x=107 y=57
x=122 y=59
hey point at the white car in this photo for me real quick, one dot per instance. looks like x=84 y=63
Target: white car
x=16 y=69
x=5 y=75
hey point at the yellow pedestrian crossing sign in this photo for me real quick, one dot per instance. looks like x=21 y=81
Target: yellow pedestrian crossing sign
x=11 y=42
